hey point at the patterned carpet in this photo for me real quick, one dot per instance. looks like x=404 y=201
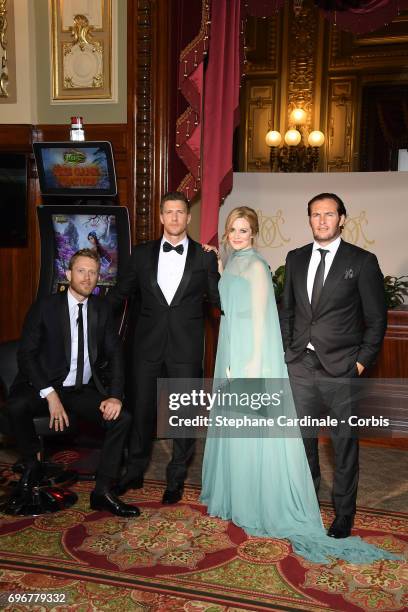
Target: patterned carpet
x=175 y=558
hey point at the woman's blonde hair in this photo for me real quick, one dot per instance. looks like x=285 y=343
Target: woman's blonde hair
x=241 y=212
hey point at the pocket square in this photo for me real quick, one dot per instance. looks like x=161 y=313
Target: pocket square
x=348 y=273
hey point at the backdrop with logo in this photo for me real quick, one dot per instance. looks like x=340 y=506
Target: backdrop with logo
x=376 y=203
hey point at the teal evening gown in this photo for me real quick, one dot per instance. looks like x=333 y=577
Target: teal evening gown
x=263 y=484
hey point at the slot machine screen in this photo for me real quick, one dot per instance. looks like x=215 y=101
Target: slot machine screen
x=78 y=169
x=67 y=229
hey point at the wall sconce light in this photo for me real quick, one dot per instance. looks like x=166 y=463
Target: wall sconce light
x=300 y=153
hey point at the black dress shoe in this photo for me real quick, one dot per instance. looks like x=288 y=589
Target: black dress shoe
x=110 y=503
x=124 y=485
x=341 y=526
x=172 y=496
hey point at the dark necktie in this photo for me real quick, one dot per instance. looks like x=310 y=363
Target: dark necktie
x=318 y=281
x=80 y=359
x=169 y=247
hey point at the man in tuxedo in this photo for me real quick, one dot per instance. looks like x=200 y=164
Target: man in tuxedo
x=171 y=277
x=333 y=322
x=70 y=361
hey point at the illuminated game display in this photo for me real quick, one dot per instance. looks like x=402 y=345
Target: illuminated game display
x=97 y=232
x=66 y=229
x=77 y=169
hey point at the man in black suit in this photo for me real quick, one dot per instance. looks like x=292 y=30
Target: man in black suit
x=70 y=361
x=333 y=323
x=172 y=277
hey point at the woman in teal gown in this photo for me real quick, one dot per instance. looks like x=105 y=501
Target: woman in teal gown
x=263 y=484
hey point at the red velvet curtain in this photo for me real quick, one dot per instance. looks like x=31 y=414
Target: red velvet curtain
x=221 y=111
x=191 y=34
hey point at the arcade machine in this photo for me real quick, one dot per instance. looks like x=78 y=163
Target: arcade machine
x=80 y=210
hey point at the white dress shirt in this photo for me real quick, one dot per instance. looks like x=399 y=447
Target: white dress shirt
x=73 y=317
x=171 y=269
x=314 y=264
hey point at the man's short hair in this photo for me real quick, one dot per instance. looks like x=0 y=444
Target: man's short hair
x=173 y=196
x=84 y=253
x=341 y=209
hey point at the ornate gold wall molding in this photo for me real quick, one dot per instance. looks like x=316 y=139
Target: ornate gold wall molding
x=302 y=57
x=262 y=44
x=385 y=47
x=323 y=70
x=144 y=128
x=81 y=49
x=341 y=124
x=260 y=115
x=7 y=53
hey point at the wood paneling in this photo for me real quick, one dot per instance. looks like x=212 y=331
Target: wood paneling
x=17 y=265
x=16 y=138
x=389 y=394
x=148 y=109
x=393 y=359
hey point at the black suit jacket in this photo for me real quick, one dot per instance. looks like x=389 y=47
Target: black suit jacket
x=44 y=353
x=351 y=316
x=177 y=329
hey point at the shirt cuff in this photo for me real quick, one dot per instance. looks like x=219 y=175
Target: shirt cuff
x=46 y=391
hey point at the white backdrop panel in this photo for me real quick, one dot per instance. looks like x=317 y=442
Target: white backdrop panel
x=376 y=203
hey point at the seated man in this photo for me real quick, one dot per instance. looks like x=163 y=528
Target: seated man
x=70 y=361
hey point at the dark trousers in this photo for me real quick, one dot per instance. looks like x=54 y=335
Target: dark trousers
x=143 y=398
x=317 y=393
x=25 y=403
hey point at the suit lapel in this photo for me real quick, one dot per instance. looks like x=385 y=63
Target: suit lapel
x=66 y=326
x=154 y=271
x=92 y=332
x=188 y=270
x=302 y=270
x=334 y=276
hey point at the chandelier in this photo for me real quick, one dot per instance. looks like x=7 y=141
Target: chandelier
x=300 y=151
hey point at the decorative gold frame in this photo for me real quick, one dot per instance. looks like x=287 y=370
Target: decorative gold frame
x=81 y=53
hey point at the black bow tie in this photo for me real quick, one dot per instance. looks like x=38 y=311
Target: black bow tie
x=169 y=247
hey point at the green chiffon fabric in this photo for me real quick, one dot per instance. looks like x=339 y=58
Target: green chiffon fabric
x=263 y=484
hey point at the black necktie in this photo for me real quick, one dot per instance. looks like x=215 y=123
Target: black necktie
x=80 y=359
x=318 y=281
x=169 y=247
